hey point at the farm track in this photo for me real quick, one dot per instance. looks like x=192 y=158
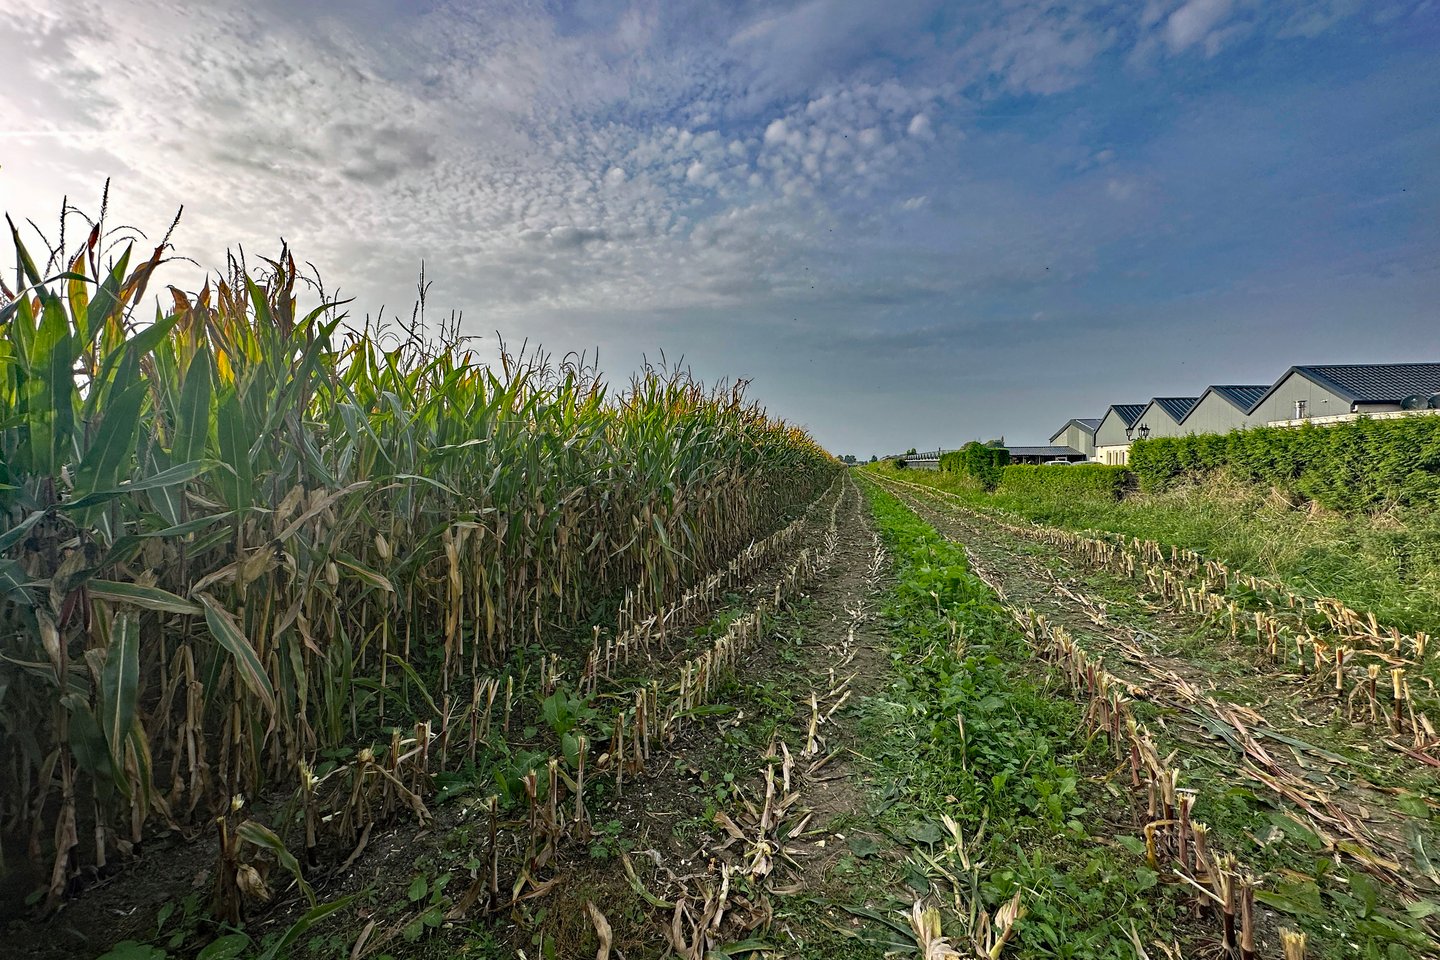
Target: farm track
x=692 y=882
x=1233 y=714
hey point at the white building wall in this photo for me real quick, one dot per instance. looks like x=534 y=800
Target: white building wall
x=1114 y=455
x=1159 y=422
x=1279 y=406
x=1215 y=414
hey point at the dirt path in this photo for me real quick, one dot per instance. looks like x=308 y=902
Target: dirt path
x=744 y=829
x=1326 y=791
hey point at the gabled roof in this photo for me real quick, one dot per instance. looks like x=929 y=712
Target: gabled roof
x=1175 y=407
x=1368 y=382
x=1241 y=396
x=1088 y=424
x=1129 y=412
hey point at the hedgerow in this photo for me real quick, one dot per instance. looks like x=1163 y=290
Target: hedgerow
x=979 y=461
x=1086 y=479
x=1357 y=465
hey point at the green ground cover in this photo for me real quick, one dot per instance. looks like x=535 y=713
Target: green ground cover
x=970 y=729
x=1386 y=562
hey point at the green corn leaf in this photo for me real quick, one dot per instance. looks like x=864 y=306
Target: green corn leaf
x=14 y=535
x=113 y=444
x=192 y=427
x=247 y=664
x=151 y=598
x=374 y=579
x=174 y=476
x=13 y=581
x=236 y=437
x=252 y=831
x=87 y=740
x=280 y=948
x=107 y=298
x=121 y=366
x=210 y=540
x=27 y=265
x=190 y=526
x=430 y=480
x=120 y=684
x=52 y=394
x=409 y=671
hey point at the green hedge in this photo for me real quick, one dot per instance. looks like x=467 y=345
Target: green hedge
x=980 y=461
x=1357 y=465
x=1085 y=479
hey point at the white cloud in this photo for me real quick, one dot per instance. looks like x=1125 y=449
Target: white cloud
x=1194 y=21
x=1319 y=16
x=1038 y=47
x=1120 y=188
x=578 y=174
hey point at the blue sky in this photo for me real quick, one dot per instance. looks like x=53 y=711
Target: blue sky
x=910 y=223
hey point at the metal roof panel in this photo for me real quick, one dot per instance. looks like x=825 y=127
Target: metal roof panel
x=1088 y=424
x=1244 y=396
x=1175 y=407
x=1129 y=412
x=1376 y=382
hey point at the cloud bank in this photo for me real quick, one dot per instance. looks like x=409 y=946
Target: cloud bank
x=955 y=216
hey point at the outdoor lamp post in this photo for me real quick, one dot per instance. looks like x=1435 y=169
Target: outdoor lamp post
x=1144 y=432
x=1129 y=433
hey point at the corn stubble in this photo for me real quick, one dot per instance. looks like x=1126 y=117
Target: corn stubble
x=236 y=537
x=1349 y=656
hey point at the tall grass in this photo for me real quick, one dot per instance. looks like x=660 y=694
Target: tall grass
x=234 y=533
x=1387 y=563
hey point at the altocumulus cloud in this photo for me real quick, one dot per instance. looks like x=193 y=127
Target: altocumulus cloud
x=923 y=195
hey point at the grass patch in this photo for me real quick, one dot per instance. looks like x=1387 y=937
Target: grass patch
x=1386 y=563
x=1308 y=884
x=969 y=730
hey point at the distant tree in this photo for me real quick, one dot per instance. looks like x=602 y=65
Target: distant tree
x=981 y=461
x=873 y=458
x=910 y=452
x=848 y=458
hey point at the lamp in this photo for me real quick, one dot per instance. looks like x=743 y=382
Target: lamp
x=1129 y=433
x=1144 y=432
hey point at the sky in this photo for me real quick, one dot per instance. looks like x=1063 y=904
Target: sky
x=908 y=223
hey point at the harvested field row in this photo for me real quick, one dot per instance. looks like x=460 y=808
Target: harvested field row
x=1285 y=777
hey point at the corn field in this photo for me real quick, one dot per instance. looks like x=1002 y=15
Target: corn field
x=237 y=536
